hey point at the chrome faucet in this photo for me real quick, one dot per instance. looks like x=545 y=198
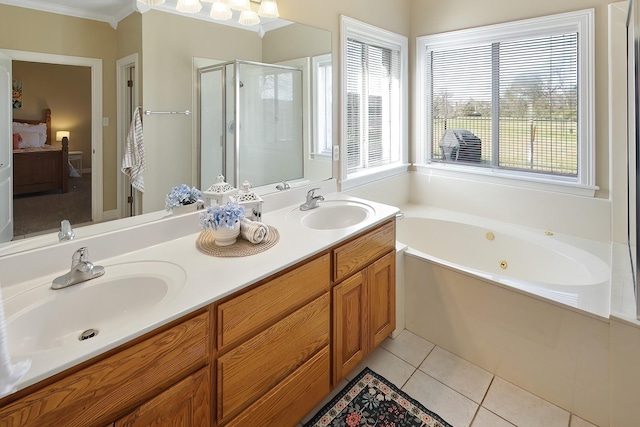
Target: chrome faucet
x=81 y=270
x=312 y=200
x=66 y=232
x=284 y=185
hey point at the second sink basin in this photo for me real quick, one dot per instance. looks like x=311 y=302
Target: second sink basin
x=333 y=215
x=45 y=319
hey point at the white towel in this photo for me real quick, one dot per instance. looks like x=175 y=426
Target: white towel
x=133 y=162
x=10 y=373
x=253 y=231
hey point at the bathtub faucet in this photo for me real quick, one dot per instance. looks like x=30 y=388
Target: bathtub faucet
x=66 y=232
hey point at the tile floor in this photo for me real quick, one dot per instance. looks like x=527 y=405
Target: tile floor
x=460 y=392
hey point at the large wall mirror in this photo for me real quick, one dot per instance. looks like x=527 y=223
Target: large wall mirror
x=268 y=122
x=168 y=67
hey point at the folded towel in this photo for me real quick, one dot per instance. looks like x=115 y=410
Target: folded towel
x=133 y=162
x=253 y=231
x=10 y=373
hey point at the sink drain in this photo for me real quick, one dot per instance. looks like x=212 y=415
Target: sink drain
x=89 y=333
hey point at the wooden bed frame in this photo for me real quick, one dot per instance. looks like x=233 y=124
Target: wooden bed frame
x=35 y=171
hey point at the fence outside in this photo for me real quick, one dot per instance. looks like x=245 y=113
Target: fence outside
x=537 y=145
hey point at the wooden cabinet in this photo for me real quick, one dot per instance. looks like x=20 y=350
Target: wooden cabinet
x=102 y=391
x=185 y=404
x=364 y=302
x=273 y=363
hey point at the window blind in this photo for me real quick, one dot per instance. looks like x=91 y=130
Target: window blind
x=510 y=104
x=373 y=105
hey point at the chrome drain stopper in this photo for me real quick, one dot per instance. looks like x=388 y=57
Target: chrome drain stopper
x=89 y=333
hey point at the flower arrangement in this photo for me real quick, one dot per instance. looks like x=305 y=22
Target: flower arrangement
x=220 y=216
x=182 y=195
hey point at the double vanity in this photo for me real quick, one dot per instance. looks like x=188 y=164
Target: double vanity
x=169 y=333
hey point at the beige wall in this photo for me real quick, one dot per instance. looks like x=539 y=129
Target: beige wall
x=35 y=31
x=293 y=42
x=435 y=16
x=66 y=90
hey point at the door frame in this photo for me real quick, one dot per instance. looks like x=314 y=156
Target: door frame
x=96 y=114
x=122 y=67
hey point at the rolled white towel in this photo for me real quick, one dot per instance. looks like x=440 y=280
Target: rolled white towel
x=253 y=231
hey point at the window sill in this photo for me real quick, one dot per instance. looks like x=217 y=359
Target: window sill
x=511 y=179
x=368 y=176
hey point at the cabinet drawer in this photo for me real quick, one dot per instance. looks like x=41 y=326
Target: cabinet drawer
x=292 y=399
x=253 y=368
x=118 y=383
x=254 y=310
x=356 y=254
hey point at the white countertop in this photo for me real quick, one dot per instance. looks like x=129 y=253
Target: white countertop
x=171 y=240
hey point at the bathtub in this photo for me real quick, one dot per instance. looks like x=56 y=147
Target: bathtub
x=530 y=306
x=565 y=270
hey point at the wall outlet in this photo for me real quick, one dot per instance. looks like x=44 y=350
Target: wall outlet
x=336 y=153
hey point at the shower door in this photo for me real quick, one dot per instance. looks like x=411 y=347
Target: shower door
x=270 y=134
x=212 y=124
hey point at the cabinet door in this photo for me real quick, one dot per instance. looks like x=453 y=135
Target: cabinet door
x=350 y=344
x=185 y=404
x=381 y=278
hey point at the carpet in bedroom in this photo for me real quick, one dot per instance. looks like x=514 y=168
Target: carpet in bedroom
x=42 y=212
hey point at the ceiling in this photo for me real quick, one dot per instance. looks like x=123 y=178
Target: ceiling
x=112 y=11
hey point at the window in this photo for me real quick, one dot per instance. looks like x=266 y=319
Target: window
x=511 y=100
x=322 y=116
x=374 y=102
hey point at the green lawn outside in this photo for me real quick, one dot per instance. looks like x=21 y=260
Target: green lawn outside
x=555 y=142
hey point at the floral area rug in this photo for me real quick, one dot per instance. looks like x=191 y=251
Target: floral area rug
x=371 y=400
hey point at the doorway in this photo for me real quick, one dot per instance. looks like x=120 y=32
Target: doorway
x=95 y=151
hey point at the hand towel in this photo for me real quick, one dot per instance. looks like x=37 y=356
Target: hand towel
x=253 y=231
x=133 y=161
x=10 y=373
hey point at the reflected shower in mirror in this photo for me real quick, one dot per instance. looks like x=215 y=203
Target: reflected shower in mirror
x=251 y=123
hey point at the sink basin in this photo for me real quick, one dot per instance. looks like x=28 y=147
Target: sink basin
x=333 y=215
x=42 y=319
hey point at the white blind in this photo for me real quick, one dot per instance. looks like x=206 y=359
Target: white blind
x=373 y=105
x=511 y=105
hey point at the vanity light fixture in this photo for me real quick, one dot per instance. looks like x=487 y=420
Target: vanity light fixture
x=241 y=5
x=248 y=18
x=152 y=2
x=189 y=6
x=220 y=10
x=268 y=9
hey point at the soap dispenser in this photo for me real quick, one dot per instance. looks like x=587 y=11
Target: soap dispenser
x=251 y=202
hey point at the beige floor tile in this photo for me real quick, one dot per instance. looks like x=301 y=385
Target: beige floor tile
x=409 y=347
x=386 y=364
x=462 y=376
x=453 y=407
x=326 y=400
x=485 y=418
x=523 y=408
x=579 y=422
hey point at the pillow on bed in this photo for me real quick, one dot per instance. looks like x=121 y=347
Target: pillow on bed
x=16 y=141
x=40 y=128
x=31 y=140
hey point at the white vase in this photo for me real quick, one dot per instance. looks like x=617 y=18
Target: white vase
x=225 y=236
x=183 y=209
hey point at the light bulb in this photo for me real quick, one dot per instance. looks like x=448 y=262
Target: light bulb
x=189 y=6
x=220 y=10
x=241 y=5
x=249 y=17
x=268 y=9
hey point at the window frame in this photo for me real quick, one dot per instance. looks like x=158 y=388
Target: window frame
x=351 y=28
x=581 y=22
x=316 y=150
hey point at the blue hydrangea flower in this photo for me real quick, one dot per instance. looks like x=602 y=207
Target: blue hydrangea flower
x=182 y=195
x=221 y=216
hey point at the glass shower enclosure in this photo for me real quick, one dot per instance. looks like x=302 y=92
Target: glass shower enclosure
x=251 y=125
